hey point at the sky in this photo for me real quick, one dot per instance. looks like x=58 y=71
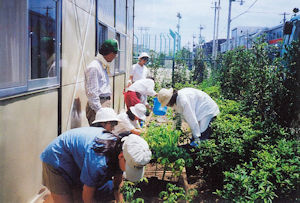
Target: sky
x=153 y=17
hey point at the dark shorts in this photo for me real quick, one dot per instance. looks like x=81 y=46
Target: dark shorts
x=90 y=113
x=54 y=181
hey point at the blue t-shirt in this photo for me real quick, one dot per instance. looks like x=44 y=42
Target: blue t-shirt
x=71 y=153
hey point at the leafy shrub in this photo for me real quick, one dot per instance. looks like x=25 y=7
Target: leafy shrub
x=272 y=172
x=163 y=142
x=129 y=189
x=175 y=193
x=265 y=86
x=233 y=140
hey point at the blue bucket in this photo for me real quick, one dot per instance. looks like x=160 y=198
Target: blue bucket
x=158 y=109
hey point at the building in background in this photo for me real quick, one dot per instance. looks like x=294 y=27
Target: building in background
x=45 y=48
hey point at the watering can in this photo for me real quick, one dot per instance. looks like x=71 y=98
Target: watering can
x=158 y=109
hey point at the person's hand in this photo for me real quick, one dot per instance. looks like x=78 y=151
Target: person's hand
x=149 y=107
x=195 y=142
x=129 y=83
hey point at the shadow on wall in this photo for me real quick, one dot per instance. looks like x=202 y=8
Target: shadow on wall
x=76 y=114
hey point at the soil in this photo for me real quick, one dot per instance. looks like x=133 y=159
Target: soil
x=190 y=178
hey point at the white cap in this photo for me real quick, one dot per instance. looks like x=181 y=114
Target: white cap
x=105 y=115
x=143 y=54
x=139 y=110
x=137 y=154
x=164 y=96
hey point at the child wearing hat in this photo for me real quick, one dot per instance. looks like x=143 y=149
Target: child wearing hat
x=138 y=92
x=92 y=160
x=139 y=70
x=97 y=85
x=129 y=121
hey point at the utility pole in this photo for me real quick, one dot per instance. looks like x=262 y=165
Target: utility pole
x=194 y=36
x=178 y=28
x=144 y=38
x=160 y=41
x=217 y=32
x=165 y=43
x=214 y=35
x=284 y=16
x=228 y=25
x=169 y=44
x=155 y=43
x=229 y=21
x=200 y=36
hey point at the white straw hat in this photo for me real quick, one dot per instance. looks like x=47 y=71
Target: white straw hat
x=143 y=54
x=105 y=115
x=139 y=110
x=164 y=96
x=137 y=154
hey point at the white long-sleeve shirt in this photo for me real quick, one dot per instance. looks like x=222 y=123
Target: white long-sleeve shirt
x=125 y=124
x=197 y=108
x=145 y=87
x=96 y=84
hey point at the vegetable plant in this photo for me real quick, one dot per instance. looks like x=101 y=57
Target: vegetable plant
x=175 y=193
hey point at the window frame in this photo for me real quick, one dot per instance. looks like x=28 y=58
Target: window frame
x=31 y=85
x=40 y=83
x=109 y=30
x=106 y=27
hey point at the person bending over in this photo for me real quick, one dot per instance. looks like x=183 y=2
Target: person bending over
x=92 y=160
x=129 y=121
x=197 y=108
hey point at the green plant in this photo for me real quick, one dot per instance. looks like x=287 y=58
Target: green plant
x=129 y=189
x=272 y=172
x=163 y=141
x=175 y=193
x=266 y=86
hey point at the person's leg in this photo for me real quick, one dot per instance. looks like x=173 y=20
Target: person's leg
x=77 y=194
x=90 y=114
x=207 y=133
x=61 y=198
x=105 y=192
x=106 y=103
x=60 y=190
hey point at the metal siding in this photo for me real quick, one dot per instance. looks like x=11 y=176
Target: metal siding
x=27 y=125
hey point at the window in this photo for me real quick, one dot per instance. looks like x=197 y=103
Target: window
x=13 y=45
x=129 y=17
x=120 y=61
x=29 y=49
x=101 y=36
x=121 y=16
x=111 y=23
x=44 y=35
x=106 y=12
x=42 y=29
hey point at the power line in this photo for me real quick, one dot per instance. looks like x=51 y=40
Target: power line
x=246 y=10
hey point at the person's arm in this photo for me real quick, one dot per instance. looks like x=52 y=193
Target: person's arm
x=131 y=74
x=131 y=78
x=118 y=183
x=129 y=83
x=136 y=131
x=88 y=194
x=92 y=89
